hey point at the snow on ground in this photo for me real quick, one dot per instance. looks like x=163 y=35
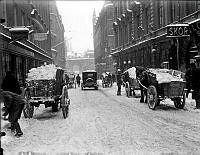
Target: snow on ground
x=99 y=124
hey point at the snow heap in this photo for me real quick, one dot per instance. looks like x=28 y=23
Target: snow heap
x=132 y=72
x=166 y=75
x=45 y=72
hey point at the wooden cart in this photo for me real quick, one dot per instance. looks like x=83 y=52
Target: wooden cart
x=51 y=93
x=175 y=90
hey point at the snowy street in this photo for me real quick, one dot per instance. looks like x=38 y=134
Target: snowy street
x=99 y=121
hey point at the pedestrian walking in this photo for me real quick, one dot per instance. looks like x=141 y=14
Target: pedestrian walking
x=193 y=76
x=10 y=83
x=13 y=106
x=67 y=80
x=119 y=82
x=78 y=80
x=110 y=79
x=113 y=78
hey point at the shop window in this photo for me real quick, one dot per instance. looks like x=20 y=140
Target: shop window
x=26 y=66
x=19 y=69
x=6 y=62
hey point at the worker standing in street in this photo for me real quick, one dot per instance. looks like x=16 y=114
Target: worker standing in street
x=119 y=82
x=78 y=80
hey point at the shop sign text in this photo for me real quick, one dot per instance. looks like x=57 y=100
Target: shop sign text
x=178 y=30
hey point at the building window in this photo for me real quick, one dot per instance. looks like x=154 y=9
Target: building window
x=173 y=12
x=15 y=16
x=161 y=13
x=147 y=18
x=23 y=18
x=3 y=10
x=198 y=5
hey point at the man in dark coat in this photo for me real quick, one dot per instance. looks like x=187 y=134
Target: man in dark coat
x=119 y=82
x=13 y=106
x=78 y=80
x=188 y=76
x=10 y=83
x=195 y=84
x=66 y=79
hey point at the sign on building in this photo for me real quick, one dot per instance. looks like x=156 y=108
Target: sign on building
x=40 y=36
x=178 y=30
x=19 y=33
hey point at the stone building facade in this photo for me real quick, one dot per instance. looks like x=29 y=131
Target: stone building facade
x=57 y=36
x=103 y=39
x=23 y=54
x=140 y=29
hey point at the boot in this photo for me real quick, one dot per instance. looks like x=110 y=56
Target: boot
x=18 y=129
x=11 y=127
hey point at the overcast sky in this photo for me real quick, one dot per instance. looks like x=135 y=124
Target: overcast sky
x=77 y=20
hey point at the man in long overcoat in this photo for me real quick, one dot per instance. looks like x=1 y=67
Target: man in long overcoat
x=195 y=83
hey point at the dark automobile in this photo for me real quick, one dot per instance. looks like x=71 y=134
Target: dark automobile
x=89 y=79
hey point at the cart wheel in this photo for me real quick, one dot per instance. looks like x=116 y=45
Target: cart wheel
x=28 y=109
x=127 y=88
x=180 y=102
x=152 y=98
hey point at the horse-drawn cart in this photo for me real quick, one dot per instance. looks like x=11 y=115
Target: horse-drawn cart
x=48 y=89
x=162 y=83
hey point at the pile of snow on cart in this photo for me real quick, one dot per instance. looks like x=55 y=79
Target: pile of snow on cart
x=166 y=75
x=45 y=72
x=162 y=75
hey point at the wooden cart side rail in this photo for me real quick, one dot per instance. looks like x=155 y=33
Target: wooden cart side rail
x=141 y=84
